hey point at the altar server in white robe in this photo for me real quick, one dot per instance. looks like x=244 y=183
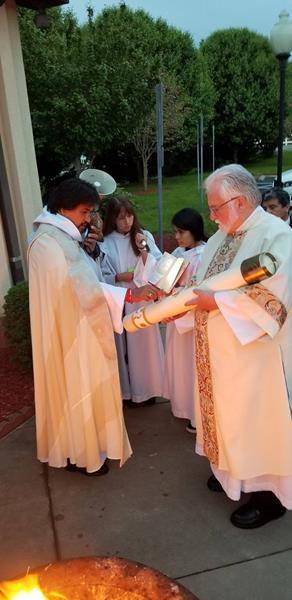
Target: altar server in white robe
x=179 y=373
x=127 y=249
x=243 y=416
x=79 y=417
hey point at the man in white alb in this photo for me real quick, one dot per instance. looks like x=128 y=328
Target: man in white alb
x=79 y=417
x=243 y=416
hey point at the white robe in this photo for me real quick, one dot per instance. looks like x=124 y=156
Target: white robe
x=77 y=394
x=141 y=355
x=179 y=373
x=243 y=416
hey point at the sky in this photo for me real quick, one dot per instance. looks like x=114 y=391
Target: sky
x=200 y=17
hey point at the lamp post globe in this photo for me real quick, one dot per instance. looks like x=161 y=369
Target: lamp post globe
x=281 y=43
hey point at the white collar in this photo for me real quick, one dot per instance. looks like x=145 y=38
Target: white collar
x=251 y=220
x=196 y=250
x=116 y=233
x=58 y=221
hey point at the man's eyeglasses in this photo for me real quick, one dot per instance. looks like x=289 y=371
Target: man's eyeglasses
x=216 y=209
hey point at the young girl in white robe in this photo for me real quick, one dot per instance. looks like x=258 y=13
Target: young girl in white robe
x=179 y=375
x=127 y=247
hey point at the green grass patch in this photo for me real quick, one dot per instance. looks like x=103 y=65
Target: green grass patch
x=268 y=166
x=178 y=192
x=182 y=191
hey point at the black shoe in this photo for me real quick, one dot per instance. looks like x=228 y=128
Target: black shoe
x=262 y=508
x=131 y=404
x=104 y=469
x=190 y=427
x=149 y=402
x=214 y=485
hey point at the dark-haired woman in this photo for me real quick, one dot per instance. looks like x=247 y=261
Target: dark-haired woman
x=127 y=247
x=179 y=378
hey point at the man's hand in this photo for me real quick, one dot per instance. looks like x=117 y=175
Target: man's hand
x=91 y=240
x=203 y=300
x=97 y=225
x=127 y=277
x=141 y=242
x=146 y=292
x=170 y=319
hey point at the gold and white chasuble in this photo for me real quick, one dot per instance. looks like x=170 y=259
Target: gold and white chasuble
x=244 y=364
x=77 y=393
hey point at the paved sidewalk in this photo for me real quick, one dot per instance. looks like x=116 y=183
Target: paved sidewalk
x=14 y=419
x=156 y=510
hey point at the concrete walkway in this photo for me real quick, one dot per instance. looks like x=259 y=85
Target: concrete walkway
x=156 y=510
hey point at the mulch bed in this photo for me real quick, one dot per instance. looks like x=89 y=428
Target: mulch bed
x=16 y=393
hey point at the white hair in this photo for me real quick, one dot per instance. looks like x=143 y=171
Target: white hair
x=235 y=179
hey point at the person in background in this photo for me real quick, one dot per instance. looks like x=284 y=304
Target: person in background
x=277 y=203
x=179 y=374
x=79 y=416
x=126 y=247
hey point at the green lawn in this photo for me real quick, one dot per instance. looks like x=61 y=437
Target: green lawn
x=178 y=192
x=182 y=191
x=268 y=166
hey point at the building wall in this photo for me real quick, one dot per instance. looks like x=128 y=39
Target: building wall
x=5 y=278
x=16 y=133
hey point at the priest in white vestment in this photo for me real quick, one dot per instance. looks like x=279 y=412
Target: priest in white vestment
x=243 y=416
x=79 y=416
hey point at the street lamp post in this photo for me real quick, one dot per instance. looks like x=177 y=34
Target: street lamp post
x=281 y=42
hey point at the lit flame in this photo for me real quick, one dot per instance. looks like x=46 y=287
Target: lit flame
x=22 y=589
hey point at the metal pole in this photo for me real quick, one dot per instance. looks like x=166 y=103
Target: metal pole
x=160 y=156
x=213 y=146
x=202 y=159
x=282 y=58
x=198 y=156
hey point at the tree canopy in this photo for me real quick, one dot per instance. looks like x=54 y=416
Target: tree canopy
x=63 y=108
x=244 y=73
x=92 y=86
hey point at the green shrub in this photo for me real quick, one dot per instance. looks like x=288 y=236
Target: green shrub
x=17 y=323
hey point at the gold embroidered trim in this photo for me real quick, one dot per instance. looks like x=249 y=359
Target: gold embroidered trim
x=136 y=317
x=268 y=301
x=220 y=262
x=225 y=254
x=144 y=316
x=204 y=374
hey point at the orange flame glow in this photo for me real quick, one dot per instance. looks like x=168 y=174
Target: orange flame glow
x=22 y=589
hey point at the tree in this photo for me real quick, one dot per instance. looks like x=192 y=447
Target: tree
x=135 y=50
x=244 y=73
x=92 y=86
x=176 y=109
x=64 y=107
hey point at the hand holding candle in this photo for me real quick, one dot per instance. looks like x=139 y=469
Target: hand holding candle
x=252 y=270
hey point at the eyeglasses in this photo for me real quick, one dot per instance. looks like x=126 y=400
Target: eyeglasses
x=216 y=209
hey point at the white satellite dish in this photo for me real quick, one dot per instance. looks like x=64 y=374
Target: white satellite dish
x=104 y=183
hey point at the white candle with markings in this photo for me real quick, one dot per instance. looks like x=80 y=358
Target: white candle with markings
x=250 y=271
